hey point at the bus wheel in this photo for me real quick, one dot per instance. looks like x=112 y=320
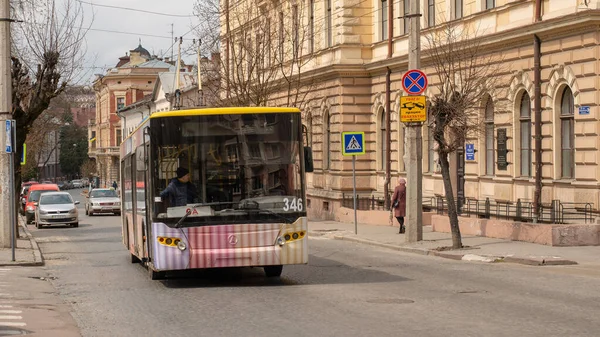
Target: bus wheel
x=134 y=259
x=273 y=271
x=157 y=275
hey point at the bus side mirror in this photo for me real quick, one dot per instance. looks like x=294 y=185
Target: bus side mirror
x=308 y=160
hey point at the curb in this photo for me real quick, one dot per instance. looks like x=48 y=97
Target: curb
x=37 y=253
x=530 y=261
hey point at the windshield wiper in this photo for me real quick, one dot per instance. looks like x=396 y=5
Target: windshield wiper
x=255 y=207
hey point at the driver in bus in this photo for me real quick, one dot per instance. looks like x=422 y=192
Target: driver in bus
x=180 y=190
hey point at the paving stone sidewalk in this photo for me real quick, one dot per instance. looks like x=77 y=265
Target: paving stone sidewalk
x=478 y=248
x=27 y=251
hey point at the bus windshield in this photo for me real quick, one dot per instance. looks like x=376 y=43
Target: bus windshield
x=243 y=168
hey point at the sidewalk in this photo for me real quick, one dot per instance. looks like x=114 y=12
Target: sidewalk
x=27 y=251
x=478 y=248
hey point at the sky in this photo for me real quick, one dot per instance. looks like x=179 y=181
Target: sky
x=105 y=48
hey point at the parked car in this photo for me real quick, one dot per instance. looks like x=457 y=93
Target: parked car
x=61 y=185
x=77 y=183
x=102 y=200
x=56 y=208
x=33 y=196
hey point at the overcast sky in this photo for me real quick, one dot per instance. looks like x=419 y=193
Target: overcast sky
x=104 y=48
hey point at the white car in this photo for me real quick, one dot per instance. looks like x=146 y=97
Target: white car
x=102 y=200
x=77 y=183
x=56 y=208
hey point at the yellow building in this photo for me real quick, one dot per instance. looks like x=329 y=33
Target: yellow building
x=128 y=82
x=345 y=46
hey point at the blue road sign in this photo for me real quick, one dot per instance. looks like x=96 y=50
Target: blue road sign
x=470 y=151
x=8 y=136
x=353 y=143
x=414 y=82
x=584 y=110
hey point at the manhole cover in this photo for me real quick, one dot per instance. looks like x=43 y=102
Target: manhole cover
x=390 y=301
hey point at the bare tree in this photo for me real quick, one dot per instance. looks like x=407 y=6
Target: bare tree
x=467 y=76
x=264 y=53
x=88 y=169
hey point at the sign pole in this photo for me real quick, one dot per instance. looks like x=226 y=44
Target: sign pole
x=11 y=186
x=354 y=193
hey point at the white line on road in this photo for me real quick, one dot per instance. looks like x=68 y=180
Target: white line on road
x=4 y=269
x=10 y=311
x=12 y=324
x=10 y=317
x=6 y=306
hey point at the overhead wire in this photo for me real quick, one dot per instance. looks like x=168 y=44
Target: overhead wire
x=136 y=10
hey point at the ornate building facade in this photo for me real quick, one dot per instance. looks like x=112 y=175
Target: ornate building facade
x=128 y=82
x=351 y=45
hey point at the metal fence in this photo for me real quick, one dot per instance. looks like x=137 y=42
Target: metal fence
x=555 y=212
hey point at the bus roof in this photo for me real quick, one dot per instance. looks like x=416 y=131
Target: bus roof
x=223 y=111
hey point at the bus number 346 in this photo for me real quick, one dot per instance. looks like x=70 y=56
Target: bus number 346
x=293 y=204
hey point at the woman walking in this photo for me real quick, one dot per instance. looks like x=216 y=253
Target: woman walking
x=399 y=203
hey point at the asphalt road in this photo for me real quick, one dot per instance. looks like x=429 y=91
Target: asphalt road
x=347 y=289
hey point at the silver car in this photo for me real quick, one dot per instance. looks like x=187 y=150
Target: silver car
x=102 y=200
x=56 y=208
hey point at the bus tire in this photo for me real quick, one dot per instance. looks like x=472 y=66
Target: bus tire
x=273 y=271
x=134 y=259
x=157 y=275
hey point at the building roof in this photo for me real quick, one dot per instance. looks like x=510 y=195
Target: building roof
x=143 y=51
x=154 y=63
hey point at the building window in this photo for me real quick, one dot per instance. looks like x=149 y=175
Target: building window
x=118 y=137
x=406 y=10
x=382 y=139
x=120 y=103
x=384 y=19
x=281 y=36
x=567 y=133
x=295 y=29
x=489 y=137
x=525 y=128
x=329 y=28
x=430 y=13
x=93 y=140
x=326 y=142
x=311 y=26
x=489 y=4
x=458 y=9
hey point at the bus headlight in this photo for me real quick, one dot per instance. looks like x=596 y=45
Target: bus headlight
x=281 y=241
x=181 y=246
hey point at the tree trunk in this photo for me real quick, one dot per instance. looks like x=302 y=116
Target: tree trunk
x=452 y=214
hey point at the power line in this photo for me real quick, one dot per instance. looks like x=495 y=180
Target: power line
x=136 y=10
x=129 y=33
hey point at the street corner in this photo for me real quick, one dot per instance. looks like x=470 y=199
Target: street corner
x=539 y=260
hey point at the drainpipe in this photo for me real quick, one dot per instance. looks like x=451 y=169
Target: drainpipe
x=537 y=101
x=388 y=123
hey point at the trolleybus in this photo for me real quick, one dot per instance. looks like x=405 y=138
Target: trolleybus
x=247 y=167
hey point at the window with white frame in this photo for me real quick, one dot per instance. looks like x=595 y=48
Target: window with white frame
x=326 y=141
x=430 y=13
x=458 y=9
x=382 y=139
x=489 y=4
x=120 y=102
x=489 y=137
x=295 y=29
x=311 y=26
x=406 y=10
x=567 y=133
x=525 y=134
x=329 y=24
x=384 y=19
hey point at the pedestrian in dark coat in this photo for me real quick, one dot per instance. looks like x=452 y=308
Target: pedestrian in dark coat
x=399 y=203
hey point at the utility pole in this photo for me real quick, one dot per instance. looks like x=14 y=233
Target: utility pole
x=414 y=171
x=5 y=114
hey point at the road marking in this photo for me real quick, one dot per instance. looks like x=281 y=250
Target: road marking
x=11 y=311
x=6 y=306
x=4 y=269
x=12 y=324
x=10 y=317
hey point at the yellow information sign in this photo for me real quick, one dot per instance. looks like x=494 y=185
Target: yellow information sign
x=413 y=109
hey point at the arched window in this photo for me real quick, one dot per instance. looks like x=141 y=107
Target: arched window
x=382 y=139
x=525 y=134
x=567 y=133
x=489 y=137
x=326 y=141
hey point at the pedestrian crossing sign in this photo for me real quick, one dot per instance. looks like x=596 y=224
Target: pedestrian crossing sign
x=353 y=143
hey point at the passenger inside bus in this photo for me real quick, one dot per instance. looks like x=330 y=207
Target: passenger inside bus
x=180 y=190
